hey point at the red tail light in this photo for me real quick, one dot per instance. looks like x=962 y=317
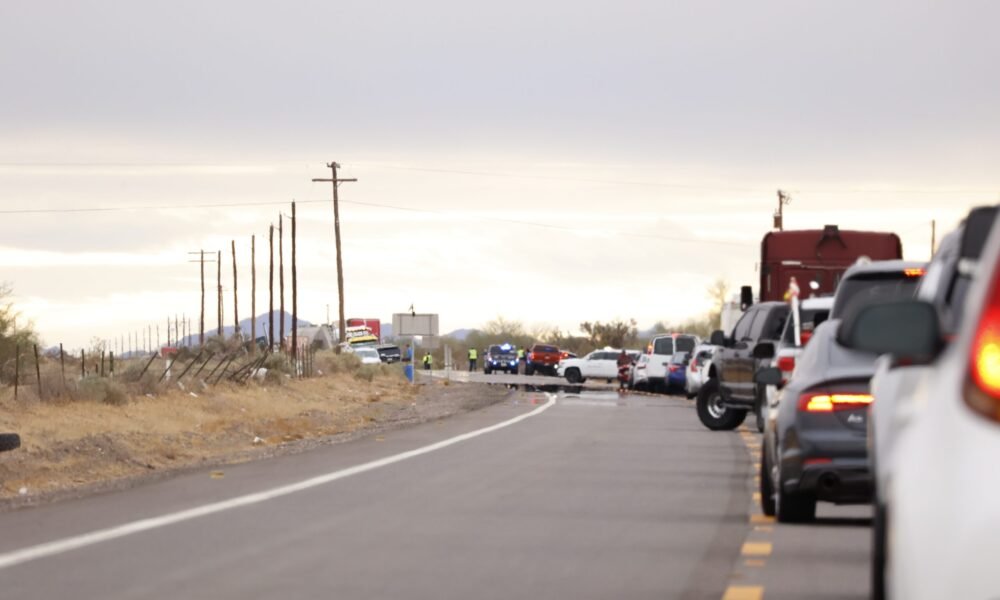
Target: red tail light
x=674 y=368
x=786 y=363
x=805 y=336
x=828 y=402
x=982 y=392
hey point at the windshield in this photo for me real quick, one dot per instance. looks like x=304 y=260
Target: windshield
x=875 y=287
x=366 y=353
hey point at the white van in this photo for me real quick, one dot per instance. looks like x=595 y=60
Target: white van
x=660 y=350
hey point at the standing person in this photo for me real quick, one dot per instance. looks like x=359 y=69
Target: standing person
x=624 y=365
x=520 y=359
x=428 y=361
x=473 y=358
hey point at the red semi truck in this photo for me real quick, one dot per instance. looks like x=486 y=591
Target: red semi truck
x=817 y=258
x=372 y=324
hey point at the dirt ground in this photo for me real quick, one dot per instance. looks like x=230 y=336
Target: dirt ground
x=76 y=448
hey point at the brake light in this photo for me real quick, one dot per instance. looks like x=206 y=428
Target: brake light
x=805 y=336
x=786 y=363
x=826 y=402
x=674 y=368
x=983 y=391
x=918 y=272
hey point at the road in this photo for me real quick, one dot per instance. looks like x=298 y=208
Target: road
x=589 y=495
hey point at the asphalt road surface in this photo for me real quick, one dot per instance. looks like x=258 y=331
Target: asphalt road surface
x=592 y=495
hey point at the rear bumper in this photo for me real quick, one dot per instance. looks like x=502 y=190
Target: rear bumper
x=837 y=480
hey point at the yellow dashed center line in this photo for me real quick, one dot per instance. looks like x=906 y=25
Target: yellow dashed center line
x=761 y=518
x=744 y=592
x=757 y=549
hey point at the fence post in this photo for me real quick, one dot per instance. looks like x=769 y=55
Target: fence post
x=17 y=367
x=62 y=364
x=188 y=368
x=83 y=364
x=112 y=363
x=102 y=363
x=208 y=359
x=38 y=372
x=144 y=369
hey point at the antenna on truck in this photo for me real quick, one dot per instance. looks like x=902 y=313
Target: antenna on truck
x=779 y=215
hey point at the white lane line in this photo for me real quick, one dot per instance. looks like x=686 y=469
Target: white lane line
x=16 y=557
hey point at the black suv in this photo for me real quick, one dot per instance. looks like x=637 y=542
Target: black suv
x=730 y=391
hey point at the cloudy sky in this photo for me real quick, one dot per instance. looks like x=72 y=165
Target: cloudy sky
x=548 y=161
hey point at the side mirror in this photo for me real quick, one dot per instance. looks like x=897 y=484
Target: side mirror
x=908 y=330
x=718 y=338
x=769 y=376
x=763 y=350
x=746 y=297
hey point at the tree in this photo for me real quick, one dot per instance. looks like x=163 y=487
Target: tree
x=616 y=334
x=718 y=293
x=12 y=334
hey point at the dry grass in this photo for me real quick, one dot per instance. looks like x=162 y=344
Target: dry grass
x=75 y=443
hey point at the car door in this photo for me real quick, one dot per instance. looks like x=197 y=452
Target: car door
x=734 y=362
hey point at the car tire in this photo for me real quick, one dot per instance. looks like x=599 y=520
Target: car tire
x=793 y=507
x=573 y=375
x=767 y=505
x=712 y=414
x=9 y=441
x=878 y=551
x=758 y=407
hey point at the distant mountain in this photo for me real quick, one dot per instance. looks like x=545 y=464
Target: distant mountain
x=262 y=326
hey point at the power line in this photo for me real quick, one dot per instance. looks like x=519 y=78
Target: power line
x=98 y=209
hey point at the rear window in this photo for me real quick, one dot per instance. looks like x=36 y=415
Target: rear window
x=807 y=322
x=664 y=345
x=545 y=349
x=866 y=289
x=685 y=343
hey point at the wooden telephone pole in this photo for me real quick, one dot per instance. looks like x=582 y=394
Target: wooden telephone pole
x=270 y=293
x=253 y=294
x=219 y=283
x=779 y=215
x=236 y=303
x=201 y=323
x=295 y=299
x=281 y=282
x=336 y=232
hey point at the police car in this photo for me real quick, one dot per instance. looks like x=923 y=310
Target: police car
x=500 y=357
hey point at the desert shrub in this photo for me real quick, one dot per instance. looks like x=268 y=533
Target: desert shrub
x=277 y=363
x=368 y=372
x=329 y=362
x=98 y=389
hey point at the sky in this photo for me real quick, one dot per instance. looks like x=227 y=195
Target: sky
x=548 y=161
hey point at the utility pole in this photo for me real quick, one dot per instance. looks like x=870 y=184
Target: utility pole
x=281 y=281
x=236 y=303
x=295 y=300
x=779 y=215
x=253 y=293
x=270 y=292
x=201 y=322
x=219 y=282
x=336 y=232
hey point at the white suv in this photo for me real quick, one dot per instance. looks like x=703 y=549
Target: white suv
x=599 y=364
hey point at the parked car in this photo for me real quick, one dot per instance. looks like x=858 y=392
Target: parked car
x=599 y=364
x=940 y=512
x=542 y=358
x=660 y=349
x=637 y=376
x=814 y=445
x=812 y=312
x=368 y=356
x=729 y=392
x=389 y=353
x=500 y=357
x=945 y=286
x=698 y=368
x=677 y=371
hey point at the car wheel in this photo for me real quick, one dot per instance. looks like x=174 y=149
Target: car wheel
x=793 y=507
x=758 y=408
x=878 y=551
x=711 y=411
x=766 y=485
x=9 y=441
x=573 y=375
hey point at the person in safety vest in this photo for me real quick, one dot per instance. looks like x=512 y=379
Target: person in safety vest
x=473 y=357
x=428 y=361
